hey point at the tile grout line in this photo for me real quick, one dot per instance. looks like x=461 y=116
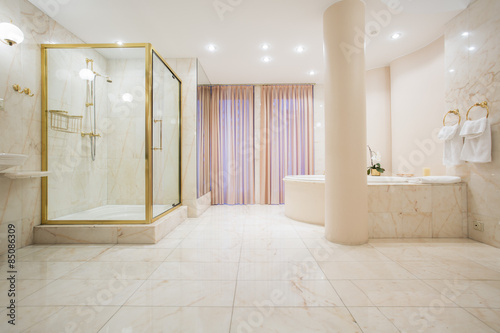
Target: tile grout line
x=236 y=283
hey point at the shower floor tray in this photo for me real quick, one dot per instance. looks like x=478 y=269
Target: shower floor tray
x=114 y=212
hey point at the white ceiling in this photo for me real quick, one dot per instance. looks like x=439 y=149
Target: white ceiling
x=183 y=29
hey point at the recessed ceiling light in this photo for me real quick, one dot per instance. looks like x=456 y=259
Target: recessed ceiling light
x=266 y=59
x=451 y=70
x=312 y=73
x=465 y=34
x=300 y=49
x=119 y=42
x=211 y=47
x=472 y=48
x=265 y=46
x=396 y=35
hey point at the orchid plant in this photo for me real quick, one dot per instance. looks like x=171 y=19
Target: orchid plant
x=375 y=159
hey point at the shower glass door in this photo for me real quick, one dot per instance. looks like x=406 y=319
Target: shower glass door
x=166 y=137
x=95 y=134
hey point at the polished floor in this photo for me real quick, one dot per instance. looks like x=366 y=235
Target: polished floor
x=247 y=269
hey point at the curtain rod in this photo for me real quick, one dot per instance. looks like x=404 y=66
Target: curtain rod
x=261 y=84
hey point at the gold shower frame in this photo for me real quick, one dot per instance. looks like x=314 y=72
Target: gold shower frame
x=150 y=51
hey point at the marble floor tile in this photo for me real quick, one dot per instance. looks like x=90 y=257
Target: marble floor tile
x=495 y=265
x=23 y=288
x=184 y=293
x=170 y=319
x=401 y=293
x=417 y=252
x=293 y=320
x=469 y=293
x=42 y=270
x=83 y=292
x=210 y=271
x=490 y=317
x=273 y=255
x=351 y=253
x=65 y=253
x=273 y=243
x=204 y=255
x=27 y=317
x=450 y=269
x=23 y=252
x=68 y=319
x=363 y=270
x=351 y=294
x=193 y=243
x=371 y=320
x=251 y=269
x=133 y=254
x=284 y=271
x=286 y=293
x=434 y=320
x=113 y=270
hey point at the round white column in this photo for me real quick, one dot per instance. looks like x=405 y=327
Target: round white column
x=346 y=191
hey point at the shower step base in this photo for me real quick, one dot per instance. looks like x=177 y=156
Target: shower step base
x=110 y=234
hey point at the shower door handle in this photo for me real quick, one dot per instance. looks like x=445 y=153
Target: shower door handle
x=161 y=134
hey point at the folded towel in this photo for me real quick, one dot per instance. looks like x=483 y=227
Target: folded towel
x=440 y=180
x=453 y=144
x=477 y=146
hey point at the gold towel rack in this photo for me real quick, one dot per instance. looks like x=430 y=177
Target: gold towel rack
x=484 y=105
x=455 y=112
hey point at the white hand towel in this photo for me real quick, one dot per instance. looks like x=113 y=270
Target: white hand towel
x=477 y=146
x=453 y=144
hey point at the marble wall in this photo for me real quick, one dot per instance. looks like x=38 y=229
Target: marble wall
x=20 y=120
x=473 y=75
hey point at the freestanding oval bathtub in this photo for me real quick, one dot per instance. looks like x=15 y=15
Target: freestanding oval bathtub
x=305 y=195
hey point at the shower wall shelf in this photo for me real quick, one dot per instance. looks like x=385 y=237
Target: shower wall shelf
x=25 y=174
x=63 y=122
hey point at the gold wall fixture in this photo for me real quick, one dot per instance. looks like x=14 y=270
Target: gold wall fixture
x=20 y=90
x=455 y=112
x=91 y=134
x=58 y=120
x=484 y=105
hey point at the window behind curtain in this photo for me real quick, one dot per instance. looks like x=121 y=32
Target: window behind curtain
x=287 y=137
x=232 y=175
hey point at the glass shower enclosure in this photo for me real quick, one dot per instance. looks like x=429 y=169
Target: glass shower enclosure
x=110 y=134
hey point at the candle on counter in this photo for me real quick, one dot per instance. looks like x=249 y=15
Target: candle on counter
x=427 y=172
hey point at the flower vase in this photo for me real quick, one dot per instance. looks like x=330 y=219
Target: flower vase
x=375 y=172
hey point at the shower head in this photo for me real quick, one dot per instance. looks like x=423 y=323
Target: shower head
x=108 y=79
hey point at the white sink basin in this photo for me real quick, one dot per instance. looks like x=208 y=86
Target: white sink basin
x=11 y=160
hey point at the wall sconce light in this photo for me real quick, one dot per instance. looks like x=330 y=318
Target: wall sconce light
x=10 y=34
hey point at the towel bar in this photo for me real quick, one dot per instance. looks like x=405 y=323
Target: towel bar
x=484 y=105
x=455 y=112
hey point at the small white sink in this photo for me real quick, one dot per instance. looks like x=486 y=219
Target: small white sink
x=11 y=160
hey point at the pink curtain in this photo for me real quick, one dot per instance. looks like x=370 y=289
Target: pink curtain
x=287 y=137
x=232 y=145
x=203 y=141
